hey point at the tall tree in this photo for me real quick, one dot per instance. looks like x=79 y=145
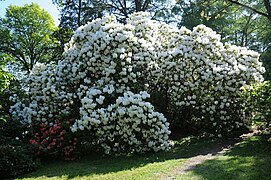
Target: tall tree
x=25 y=34
x=123 y=8
x=62 y=35
x=74 y=13
x=254 y=6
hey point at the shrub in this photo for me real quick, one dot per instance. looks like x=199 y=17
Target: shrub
x=201 y=80
x=258 y=100
x=109 y=71
x=55 y=139
x=16 y=159
x=129 y=125
x=16 y=156
x=84 y=84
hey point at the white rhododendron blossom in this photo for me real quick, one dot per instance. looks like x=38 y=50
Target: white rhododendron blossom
x=110 y=71
x=129 y=124
x=204 y=76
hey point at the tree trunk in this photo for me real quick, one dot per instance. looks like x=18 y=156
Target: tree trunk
x=79 y=13
x=268 y=8
x=138 y=5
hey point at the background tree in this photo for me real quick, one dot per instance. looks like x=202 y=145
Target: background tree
x=261 y=26
x=5 y=77
x=265 y=6
x=25 y=35
x=74 y=13
x=122 y=9
x=62 y=35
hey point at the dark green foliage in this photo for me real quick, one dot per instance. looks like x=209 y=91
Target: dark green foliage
x=62 y=35
x=78 y=12
x=181 y=120
x=258 y=97
x=15 y=153
x=16 y=159
x=266 y=58
x=4 y=105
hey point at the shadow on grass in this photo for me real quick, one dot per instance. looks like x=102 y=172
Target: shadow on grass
x=98 y=164
x=251 y=159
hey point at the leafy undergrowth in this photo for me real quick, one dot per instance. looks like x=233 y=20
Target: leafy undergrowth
x=249 y=160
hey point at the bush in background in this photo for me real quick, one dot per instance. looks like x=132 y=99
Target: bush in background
x=258 y=100
x=16 y=155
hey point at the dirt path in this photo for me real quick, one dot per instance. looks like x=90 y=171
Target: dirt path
x=208 y=154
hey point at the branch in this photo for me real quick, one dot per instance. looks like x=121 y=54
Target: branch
x=248 y=7
x=123 y=9
x=268 y=8
x=145 y=5
x=17 y=54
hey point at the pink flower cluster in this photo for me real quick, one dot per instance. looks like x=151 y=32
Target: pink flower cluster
x=54 y=139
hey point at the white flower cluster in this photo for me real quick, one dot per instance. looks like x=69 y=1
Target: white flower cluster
x=203 y=74
x=108 y=68
x=19 y=111
x=104 y=61
x=44 y=101
x=99 y=81
x=130 y=124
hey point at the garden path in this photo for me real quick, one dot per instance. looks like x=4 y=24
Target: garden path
x=208 y=154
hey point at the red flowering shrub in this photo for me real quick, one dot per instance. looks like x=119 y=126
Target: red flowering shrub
x=55 y=139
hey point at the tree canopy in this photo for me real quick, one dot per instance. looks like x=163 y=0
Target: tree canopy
x=25 y=34
x=262 y=7
x=5 y=77
x=74 y=13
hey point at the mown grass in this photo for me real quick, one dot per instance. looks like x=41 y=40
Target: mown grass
x=249 y=160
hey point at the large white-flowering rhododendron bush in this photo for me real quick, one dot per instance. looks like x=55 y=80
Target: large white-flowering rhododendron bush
x=110 y=71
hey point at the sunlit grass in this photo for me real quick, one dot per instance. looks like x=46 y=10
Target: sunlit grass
x=251 y=159
x=248 y=160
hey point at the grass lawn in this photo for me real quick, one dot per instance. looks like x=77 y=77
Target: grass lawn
x=251 y=159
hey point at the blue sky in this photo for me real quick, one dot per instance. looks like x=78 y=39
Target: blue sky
x=44 y=4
